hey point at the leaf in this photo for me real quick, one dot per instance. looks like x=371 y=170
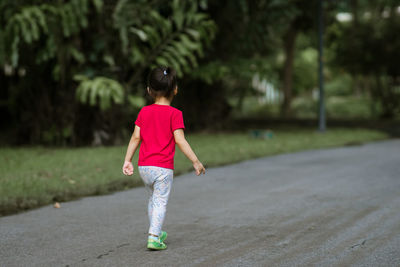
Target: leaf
x=152 y=34
x=100 y=88
x=79 y=77
x=14 y=52
x=188 y=43
x=94 y=91
x=178 y=15
x=174 y=53
x=77 y=55
x=195 y=34
x=123 y=36
x=98 y=4
x=136 y=56
x=136 y=101
x=173 y=61
x=161 y=61
x=39 y=14
x=141 y=34
x=24 y=29
x=28 y=18
x=109 y=60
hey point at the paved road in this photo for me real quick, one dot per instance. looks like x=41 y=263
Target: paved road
x=335 y=207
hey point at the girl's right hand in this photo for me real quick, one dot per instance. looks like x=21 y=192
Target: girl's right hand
x=127 y=169
x=199 y=168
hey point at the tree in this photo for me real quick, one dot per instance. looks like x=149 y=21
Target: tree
x=246 y=44
x=301 y=19
x=368 y=47
x=100 y=47
x=252 y=32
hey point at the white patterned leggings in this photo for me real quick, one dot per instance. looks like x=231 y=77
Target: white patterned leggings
x=158 y=182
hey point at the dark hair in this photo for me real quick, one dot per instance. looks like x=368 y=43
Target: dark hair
x=162 y=82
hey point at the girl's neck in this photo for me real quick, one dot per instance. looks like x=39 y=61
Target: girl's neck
x=163 y=101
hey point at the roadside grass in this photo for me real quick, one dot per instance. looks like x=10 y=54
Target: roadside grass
x=35 y=176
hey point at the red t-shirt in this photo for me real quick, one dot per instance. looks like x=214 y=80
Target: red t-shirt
x=157 y=125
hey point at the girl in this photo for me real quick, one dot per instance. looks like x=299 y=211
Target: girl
x=159 y=127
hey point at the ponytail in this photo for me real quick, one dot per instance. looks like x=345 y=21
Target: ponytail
x=162 y=81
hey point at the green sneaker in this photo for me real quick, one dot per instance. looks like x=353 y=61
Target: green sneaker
x=163 y=236
x=155 y=245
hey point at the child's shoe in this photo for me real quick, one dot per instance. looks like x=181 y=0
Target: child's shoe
x=163 y=236
x=154 y=244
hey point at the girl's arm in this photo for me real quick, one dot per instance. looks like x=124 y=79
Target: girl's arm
x=133 y=145
x=184 y=146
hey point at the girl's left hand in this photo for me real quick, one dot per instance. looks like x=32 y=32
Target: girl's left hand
x=127 y=169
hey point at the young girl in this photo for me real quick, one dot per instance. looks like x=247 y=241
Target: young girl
x=159 y=127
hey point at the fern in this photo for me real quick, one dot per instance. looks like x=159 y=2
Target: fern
x=176 y=41
x=126 y=14
x=100 y=91
x=177 y=37
x=32 y=23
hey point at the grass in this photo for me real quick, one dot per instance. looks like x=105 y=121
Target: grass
x=36 y=176
x=304 y=107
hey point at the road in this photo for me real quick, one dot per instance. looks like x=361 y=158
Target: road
x=331 y=207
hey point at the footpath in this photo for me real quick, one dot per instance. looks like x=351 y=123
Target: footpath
x=331 y=207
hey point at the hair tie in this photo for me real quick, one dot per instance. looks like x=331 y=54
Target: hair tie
x=165 y=72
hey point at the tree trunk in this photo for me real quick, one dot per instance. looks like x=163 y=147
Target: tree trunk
x=384 y=98
x=354 y=10
x=290 y=41
x=242 y=94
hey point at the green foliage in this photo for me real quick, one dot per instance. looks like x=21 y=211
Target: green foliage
x=102 y=88
x=348 y=107
x=211 y=72
x=177 y=40
x=305 y=107
x=136 y=101
x=31 y=23
x=237 y=72
x=109 y=46
x=337 y=107
x=249 y=28
x=340 y=85
x=368 y=48
x=305 y=66
x=49 y=43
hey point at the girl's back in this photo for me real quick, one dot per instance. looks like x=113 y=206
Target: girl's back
x=157 y=124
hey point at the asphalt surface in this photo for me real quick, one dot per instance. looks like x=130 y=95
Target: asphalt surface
x=334 y=207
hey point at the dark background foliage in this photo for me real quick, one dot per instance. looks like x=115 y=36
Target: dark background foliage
x=74 y=72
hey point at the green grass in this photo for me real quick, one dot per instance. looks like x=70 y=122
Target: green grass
x=36 y=176
x=304 y=107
